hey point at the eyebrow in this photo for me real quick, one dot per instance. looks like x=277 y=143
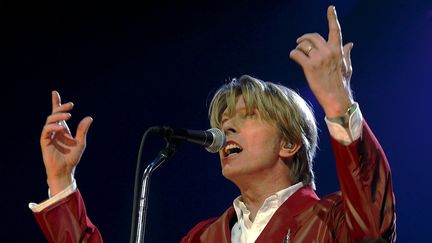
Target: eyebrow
x=237 y=110
x=225 y=116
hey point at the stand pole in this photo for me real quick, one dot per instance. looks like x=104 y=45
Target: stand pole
x=164 y=155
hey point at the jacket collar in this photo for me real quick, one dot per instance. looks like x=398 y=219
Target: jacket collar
x=279 y=225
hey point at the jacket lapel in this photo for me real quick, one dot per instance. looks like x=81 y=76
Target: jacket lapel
x=220 y=230
x=283 y=224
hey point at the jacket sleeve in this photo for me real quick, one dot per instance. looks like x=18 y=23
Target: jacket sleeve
x=66 y=221
x=368 y=202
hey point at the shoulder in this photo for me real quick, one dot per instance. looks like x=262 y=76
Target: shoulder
x=212 y=224
x=198 y=229
x=330 y=202
x=331 y=199
x=330 y=209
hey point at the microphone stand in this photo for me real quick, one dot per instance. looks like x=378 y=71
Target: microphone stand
x=164 y=155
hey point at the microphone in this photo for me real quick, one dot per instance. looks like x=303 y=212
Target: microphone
x=213 y=139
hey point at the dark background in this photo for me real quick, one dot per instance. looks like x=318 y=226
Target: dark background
x=134 y=66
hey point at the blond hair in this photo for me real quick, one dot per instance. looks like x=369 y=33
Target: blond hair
x=280 y=106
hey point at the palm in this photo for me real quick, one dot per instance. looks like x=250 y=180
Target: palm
x=61 y=153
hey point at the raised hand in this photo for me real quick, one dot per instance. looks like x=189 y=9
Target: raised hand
x=60 y=150
x=327 y=66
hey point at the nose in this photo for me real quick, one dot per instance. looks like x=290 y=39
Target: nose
x=229 y=127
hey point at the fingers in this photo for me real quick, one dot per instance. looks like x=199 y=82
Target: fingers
x=55 y=99
x=55 y=123
x=310 y=48
x=315 y=39
x=335 y=33
x=334 y=42
x=82 y=130
x=313 y=46
x=57 y=118
x=50 y=130
x=306 y=47
x=63 y=108
x=307 y=44
x=58 y=108
x=299 y=57
x=56 y=103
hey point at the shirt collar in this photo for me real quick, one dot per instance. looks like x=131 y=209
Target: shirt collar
x=278 y=198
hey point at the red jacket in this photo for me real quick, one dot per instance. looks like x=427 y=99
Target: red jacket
x=364 y=210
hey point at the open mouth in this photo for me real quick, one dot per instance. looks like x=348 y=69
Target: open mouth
x=231 y=149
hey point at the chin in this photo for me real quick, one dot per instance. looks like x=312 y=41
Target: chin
x=231 y=178
x=228 y=172
x=231 y=174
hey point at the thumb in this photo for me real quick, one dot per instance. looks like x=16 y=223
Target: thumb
x=347 y=58
x=83 y=127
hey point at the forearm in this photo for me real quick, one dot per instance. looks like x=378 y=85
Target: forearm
x=365 y=182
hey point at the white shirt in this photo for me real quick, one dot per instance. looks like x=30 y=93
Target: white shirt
x=246 y=231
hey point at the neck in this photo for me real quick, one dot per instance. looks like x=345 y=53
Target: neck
x=255 y=191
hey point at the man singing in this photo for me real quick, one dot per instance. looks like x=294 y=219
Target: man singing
x=271 y=142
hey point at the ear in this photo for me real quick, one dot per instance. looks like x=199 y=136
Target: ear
x=288 y=149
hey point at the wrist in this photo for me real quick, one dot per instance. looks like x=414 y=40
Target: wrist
x=337 y=109
x=344 y=119
x=58 y=184
x=348 y=127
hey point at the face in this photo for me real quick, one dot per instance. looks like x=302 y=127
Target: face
x=253 y=144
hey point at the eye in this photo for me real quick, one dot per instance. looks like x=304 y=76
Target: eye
x=223 y=121
x=253 y=114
